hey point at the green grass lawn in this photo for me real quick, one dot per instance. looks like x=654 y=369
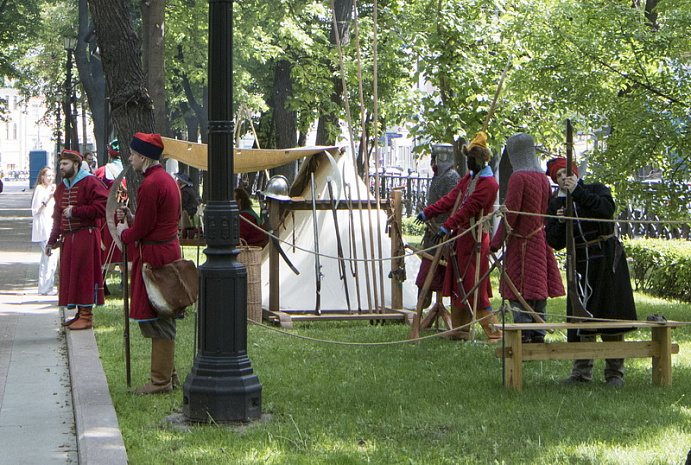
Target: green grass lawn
x=432 y=402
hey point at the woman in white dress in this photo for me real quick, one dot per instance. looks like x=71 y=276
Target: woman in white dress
x=42 y=206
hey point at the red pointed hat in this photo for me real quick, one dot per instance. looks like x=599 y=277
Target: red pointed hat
x=149 y=145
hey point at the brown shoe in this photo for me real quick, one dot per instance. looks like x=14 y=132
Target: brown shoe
x=83 y=321
x=71 y=320
x=151 y=388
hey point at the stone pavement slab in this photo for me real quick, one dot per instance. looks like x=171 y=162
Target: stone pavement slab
x=55 y=407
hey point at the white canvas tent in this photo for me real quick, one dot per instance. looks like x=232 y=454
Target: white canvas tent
x=298 y=292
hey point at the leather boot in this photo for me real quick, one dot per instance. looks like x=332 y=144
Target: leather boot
x=162 y=362
x=73 y=319
x=614 y=367
x=490 y=324
x=84 y=321
x=175 y=379
x=460 y=317
x=581 y=372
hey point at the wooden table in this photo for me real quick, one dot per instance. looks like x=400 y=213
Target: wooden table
x=660 y=348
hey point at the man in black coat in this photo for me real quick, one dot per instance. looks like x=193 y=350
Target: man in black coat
x=604 y=285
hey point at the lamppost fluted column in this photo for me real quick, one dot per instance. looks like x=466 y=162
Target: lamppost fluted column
x=222 y=385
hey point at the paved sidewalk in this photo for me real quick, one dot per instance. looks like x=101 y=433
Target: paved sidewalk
x=55 y=407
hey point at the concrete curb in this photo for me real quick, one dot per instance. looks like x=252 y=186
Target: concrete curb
x=99 y=440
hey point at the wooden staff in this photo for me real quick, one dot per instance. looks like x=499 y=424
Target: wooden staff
x=126 y=307
x=577 y=307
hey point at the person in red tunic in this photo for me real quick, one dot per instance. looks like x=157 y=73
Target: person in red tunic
x=478 y=191
x=529 y=261
x=110 y=253
x=155 y=231
x=80 y=205
x=250 y=226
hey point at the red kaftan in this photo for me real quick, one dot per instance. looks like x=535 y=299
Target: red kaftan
x=81 y=278
x=476 y=205
x=530 y=262
x=156 y=220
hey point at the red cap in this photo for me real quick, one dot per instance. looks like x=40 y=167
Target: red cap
x=555 y=164
x=149 y=145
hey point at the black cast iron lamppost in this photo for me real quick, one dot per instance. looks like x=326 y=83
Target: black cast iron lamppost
x=69 y=43
x=222 y=385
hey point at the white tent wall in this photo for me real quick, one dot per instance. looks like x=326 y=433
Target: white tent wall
x=299 y=292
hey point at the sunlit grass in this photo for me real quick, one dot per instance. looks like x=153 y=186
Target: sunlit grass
x=434 y=402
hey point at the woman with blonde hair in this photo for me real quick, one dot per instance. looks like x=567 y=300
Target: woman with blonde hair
x=42 y=205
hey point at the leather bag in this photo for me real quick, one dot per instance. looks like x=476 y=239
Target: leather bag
x=172 y=287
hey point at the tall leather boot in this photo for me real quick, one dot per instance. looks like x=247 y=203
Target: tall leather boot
x=73 y=319
x=491 y=325
x=460 y=318
x=174 y=378
x=162 y=362
x=614 y=367
x=84 y=321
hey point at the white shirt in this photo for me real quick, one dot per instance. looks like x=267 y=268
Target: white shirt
x=43 y=221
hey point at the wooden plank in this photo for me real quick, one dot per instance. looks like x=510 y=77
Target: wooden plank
x=346 y=316
x=396 y=251
x=298 y=203
x=662 y=363
x=274 y=279
x=594 y=325
x=588 y=350
x=284 y=320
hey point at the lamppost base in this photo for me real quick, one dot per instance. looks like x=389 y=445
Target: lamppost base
x=222 y=389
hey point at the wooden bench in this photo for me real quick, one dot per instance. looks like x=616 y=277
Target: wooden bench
x=660 y=348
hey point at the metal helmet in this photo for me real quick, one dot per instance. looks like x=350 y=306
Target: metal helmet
x=443 y=154
x=277 y=188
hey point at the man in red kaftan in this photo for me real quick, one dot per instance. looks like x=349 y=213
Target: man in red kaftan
x=478 y=191
x=80 y=206
x=154 y=230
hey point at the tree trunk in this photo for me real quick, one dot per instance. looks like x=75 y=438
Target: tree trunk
x=328 y=122
x=131 y=104
x=284 y=120
x=153 y=49
x=93 y=83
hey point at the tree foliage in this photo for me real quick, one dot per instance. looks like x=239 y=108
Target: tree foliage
x=619 y=69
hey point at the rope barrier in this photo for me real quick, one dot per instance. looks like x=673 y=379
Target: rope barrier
x=431 y=336
x=500 y=211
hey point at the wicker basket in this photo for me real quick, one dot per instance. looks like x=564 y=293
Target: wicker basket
x=251 y=257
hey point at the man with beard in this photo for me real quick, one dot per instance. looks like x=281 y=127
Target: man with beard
x=80 y=205
x=478 y=191
x=604 y=285
x=155 y=230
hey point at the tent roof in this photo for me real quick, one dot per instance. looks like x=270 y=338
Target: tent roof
x=246 y=160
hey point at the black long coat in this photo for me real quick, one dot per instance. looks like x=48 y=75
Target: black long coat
x=603 y=275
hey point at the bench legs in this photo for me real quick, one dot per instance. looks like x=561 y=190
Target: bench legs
x=662 y=365
x=513 y=365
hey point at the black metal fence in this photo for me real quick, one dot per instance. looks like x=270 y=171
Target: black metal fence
x=414 y=190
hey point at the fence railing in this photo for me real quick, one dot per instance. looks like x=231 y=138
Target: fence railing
x=414 y=190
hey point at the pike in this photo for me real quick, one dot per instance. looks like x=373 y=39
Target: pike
x=353 y=244
x=339 y=245
x=110 y=219
x=317 y=264
x=572 y=285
